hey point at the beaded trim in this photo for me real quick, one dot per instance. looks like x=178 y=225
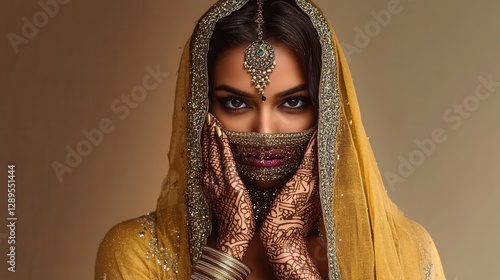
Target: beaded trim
x=328 y=122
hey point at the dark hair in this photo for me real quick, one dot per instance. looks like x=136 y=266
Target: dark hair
x=284 y=23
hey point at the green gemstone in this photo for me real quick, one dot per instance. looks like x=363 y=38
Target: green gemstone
x=261 y=42
x=261 y=52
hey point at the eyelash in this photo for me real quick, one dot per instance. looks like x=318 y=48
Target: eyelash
x=305 y=103
x=226 y=101
x=302 y=101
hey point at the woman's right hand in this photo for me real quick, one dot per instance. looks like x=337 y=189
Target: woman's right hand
x=226 y=193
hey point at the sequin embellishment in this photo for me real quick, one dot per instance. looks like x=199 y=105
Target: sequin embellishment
x=289 y=147
x=261 y=201
x=157 y=253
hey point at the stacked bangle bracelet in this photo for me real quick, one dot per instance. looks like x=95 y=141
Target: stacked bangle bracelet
x=214 y=264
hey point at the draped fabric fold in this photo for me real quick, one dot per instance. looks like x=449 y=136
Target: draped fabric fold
x=367 y=236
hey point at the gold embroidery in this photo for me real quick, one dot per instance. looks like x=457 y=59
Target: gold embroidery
x=157 y=253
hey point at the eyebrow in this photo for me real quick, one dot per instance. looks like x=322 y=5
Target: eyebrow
x=244 y=94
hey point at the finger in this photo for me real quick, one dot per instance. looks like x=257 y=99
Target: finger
x=306 y=173
x=312 y=208
x=310 y=156
x=215 y=161
x=311 y=146
x=209 y=120
x=210 y=182
x=228 y=162
x=205 y=136
x=301 y=191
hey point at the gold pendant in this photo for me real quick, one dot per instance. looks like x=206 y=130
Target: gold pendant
x=260 y=63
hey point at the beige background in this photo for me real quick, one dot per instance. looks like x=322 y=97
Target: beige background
x=63 y=80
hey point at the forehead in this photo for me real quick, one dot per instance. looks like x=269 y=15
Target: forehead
x=229 y=70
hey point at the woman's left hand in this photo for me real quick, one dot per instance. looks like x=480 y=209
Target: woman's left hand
x=291 y=217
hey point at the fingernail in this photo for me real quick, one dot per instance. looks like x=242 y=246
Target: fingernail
x=209 y=119
x=218 y=131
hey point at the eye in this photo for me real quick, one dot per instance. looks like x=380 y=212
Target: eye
x=295 y=103
x=233 y=103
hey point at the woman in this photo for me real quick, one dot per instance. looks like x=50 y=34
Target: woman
x=278 y=178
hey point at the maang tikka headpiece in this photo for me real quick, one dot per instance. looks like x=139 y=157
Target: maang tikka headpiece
x=259 y=56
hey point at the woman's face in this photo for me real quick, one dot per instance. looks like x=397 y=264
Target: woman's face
x=238 y=106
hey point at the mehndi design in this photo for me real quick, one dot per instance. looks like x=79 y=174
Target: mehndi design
x=226 y=193
x=290 y=219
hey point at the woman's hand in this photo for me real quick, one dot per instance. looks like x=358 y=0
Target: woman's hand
x=227 y=195
x=291 y=217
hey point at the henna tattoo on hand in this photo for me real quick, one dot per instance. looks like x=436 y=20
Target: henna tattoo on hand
x=291 y=217
x=227 y=195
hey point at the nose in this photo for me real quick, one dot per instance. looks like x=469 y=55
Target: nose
x=264 y=122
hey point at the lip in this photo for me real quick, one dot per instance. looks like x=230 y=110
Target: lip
x=257 y=162
x=270 y=158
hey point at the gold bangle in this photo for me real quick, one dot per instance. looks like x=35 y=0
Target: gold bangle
x=228 y=260
x=207 y=261
x=214 y=264
x=214 y=270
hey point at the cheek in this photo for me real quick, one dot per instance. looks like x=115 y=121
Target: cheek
x=233 y=124
x=241 y=122
x=305 y=123
x=297 y=122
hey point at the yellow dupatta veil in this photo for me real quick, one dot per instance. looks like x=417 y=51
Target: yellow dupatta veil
x=367 y=236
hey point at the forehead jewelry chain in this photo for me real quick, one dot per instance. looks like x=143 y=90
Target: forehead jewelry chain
x=259 y=56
